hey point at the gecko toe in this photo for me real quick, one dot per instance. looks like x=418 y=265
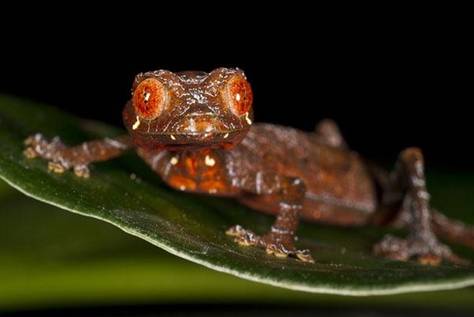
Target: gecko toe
x=244 y=241
x=235 y=231
x=56 y=167
x=276 y=250
x=304 y=256
x=82 y=171
x=30 y=153
x=429 y=259
x=242 y=236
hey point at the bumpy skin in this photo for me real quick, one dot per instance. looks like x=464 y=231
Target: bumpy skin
x=195 y=130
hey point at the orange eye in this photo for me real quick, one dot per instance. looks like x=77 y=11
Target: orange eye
x=149 y=98
x=239 y=95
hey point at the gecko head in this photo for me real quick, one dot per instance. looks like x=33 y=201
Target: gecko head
x=189 y=109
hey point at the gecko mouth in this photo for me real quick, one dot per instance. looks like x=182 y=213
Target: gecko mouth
x=196 y=138
x=189 y=140
x=198 y=129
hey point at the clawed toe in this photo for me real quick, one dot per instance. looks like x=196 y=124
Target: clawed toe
x=429 y=259
x=304 y=256
x=30 y=153
x=280 y=247
x=32 y=139
x=82 y=171
x=426 y=253
x=56 y=167
x=277 y=250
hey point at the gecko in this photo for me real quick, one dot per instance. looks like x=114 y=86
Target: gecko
x=196 y=131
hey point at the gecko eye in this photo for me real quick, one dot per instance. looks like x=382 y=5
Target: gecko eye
x=149 y=98
x=238 y=95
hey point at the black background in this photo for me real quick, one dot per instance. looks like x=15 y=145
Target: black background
x=391 y=77
x=388 y=84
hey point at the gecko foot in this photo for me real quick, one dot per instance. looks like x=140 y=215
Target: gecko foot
x=279 y=245
x=54 y=152
x=425 y=251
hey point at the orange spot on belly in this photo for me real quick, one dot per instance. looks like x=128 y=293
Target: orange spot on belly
x=213 y=186
x=182 y=183
x=190 y=164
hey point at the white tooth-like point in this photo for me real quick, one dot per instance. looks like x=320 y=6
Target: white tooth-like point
x=173 y=137
x=174 y=160
x=209 y=161
x=136 y=124
x=237 y=97
x=226 y=135
x=249 y=121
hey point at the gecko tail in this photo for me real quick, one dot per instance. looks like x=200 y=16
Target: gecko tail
x=452 y=230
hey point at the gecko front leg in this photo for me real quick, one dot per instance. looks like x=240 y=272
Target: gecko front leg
x=279 y=241
x=62 y=158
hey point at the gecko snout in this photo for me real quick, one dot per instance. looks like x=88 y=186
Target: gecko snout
x=200 y=124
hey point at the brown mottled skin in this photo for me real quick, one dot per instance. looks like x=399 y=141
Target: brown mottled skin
x=195 y=130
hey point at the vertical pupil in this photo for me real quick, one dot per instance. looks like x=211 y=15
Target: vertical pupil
x=146 y=96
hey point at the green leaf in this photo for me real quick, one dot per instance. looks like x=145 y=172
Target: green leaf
x=53 y=259
x=125 y=193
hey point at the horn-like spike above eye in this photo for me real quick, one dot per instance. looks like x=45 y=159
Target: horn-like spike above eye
x=149 y=98
x=238 y=95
